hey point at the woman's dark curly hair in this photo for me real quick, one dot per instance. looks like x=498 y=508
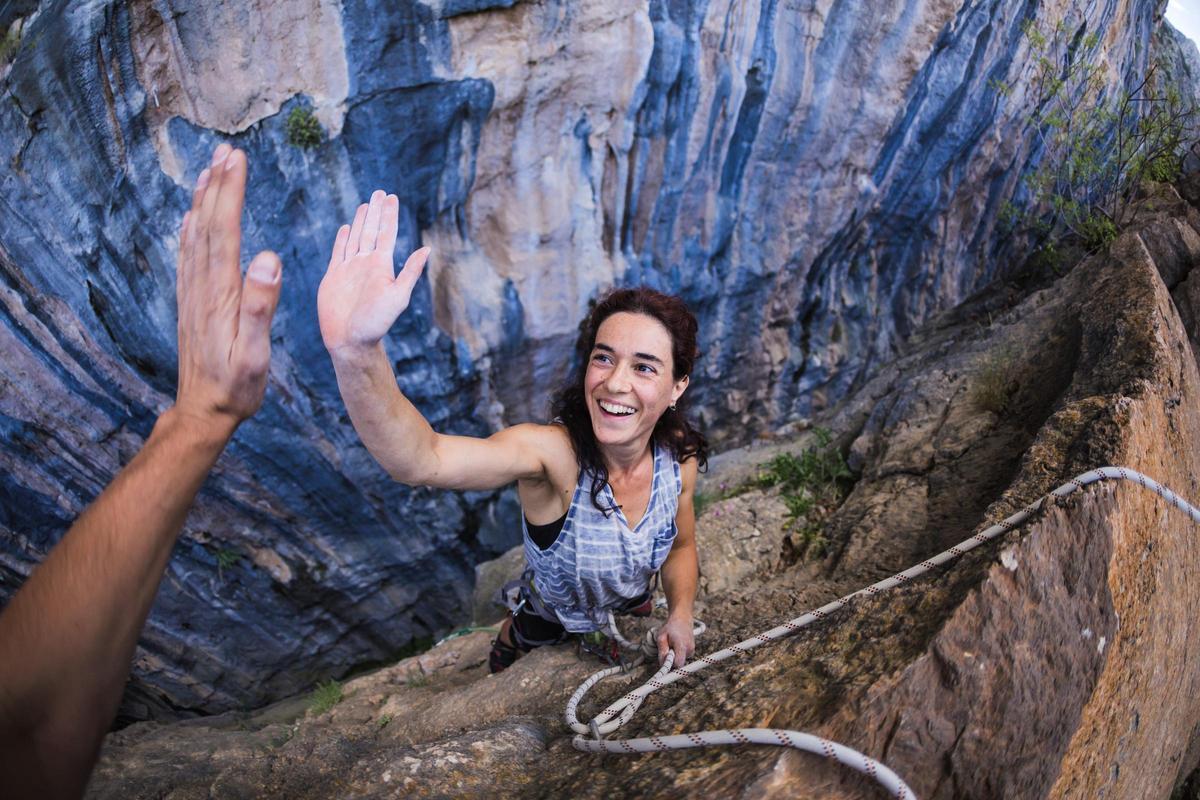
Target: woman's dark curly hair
x=672 y=430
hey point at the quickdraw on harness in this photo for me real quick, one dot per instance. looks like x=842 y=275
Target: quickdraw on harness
x=623 y=709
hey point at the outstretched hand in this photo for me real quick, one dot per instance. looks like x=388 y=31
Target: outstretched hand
x=360 y=296
x=224 y=321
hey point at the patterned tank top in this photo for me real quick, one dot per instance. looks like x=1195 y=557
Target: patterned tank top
x=598 y=561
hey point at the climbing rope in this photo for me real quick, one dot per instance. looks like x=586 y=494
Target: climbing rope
x=623 y=709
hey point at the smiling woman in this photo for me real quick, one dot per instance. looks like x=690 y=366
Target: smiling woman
x=606 y=488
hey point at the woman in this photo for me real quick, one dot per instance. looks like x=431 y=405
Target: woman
x=606 y=490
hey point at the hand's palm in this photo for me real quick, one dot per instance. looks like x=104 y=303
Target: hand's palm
x=360 y=297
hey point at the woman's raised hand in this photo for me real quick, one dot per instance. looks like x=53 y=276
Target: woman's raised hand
x=360 y=296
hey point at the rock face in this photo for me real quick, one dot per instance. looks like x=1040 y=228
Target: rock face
x=816 y=179
x=1035 y=666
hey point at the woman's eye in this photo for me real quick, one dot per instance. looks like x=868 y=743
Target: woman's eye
x=600 y=358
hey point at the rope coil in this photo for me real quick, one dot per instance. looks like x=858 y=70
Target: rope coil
x=622 y=710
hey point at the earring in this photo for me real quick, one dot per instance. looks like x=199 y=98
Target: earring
x=672 y=406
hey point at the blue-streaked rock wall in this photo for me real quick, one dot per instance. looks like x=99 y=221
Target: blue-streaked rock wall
x=816 y=178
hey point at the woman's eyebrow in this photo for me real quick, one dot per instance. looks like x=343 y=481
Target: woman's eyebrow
x=642 y=356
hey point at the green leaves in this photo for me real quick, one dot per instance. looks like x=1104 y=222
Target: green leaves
x=325 y=696
x=302 y=128
x=1096 y=150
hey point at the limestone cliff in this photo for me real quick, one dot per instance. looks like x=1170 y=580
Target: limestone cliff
x=816 y=178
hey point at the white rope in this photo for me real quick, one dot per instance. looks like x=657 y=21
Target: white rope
x=620 y=711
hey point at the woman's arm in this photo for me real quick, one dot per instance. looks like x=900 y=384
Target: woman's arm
x=680 y=574
x=359 y=300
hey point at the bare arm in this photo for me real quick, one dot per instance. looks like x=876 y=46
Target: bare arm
x=359 y=300
x=67 y=637
x=680 y=575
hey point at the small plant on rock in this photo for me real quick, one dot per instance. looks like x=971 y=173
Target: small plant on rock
x=995 y=382
x=303 y=129
x=325 y=696
x=812 y=485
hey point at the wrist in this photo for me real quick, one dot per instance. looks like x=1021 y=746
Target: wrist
x=355 y=356
x=208 y=433
x=681 y=614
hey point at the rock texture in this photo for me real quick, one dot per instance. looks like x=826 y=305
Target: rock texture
x=816 y=179
x=1036 y=666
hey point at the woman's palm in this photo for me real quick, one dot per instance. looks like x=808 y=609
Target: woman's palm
x=360 y=297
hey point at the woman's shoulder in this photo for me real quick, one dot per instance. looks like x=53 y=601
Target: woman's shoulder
x=552 y=443
x=549 y=438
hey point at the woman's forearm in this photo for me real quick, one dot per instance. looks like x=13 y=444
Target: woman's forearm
x=390 y=426
x=680 y=574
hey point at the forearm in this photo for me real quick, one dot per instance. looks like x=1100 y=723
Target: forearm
x=86 y=604
x=680 y=575
x=390 y=426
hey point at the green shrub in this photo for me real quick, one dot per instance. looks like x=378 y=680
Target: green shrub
x=812 y=485
x=325 y=696
x=302 y=128
x=994 y=384
x=1097 y=147
x=1047 y=256
x=1097 y=231
x=818 y=466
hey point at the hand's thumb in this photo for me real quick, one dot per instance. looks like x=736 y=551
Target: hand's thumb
x=260 y=295
x=663 y=646
x=413 y=267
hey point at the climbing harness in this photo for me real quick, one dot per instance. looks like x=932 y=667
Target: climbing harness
x=623 y=709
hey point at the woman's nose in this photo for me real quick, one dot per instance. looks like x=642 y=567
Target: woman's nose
x=617 y=381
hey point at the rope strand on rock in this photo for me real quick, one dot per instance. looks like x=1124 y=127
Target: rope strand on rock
x=623 y=709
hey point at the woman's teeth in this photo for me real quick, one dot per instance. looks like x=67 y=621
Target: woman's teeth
x=615 y=408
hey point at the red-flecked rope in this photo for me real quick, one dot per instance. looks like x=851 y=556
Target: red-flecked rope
x=620 y=711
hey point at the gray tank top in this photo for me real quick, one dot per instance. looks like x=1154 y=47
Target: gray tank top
x=598 y=562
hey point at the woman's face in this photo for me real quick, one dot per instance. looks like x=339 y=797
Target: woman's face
x=630 y=381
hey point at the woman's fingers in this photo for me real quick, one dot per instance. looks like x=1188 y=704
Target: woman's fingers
x=360 y=218
x=370 y=231
x=339 y=246
x=388 y=225
x=413 y=267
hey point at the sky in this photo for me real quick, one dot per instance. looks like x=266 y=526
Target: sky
x=1185 y=16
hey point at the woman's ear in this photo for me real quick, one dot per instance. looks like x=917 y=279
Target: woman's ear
x=677 y=391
